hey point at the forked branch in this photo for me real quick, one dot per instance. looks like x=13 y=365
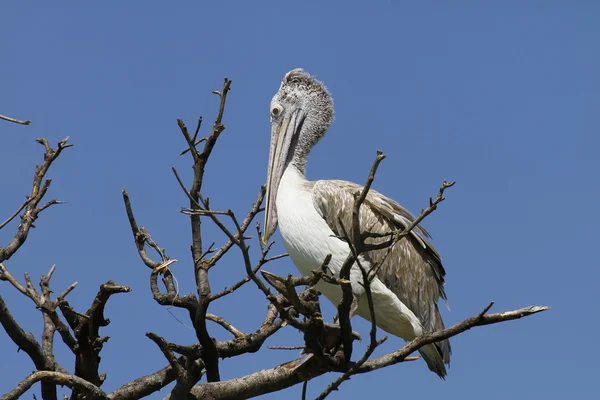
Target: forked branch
x=33 y=199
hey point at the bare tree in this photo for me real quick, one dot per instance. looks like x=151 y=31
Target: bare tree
x=327 y=347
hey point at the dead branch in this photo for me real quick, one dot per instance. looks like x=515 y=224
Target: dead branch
x=252 y=342
x=197 y=307
x=263 y=260
x=7 y=221
x=146 y=385
x=82 y=338
x=284 y=375
x=171 y=298
x=24 y=340
x=210 y=354
x=16 y=121
x=225 y=324
x=164 y=347
x=239 y=240
x=41 y=356
x=395 y=237
x=478 y=320
x=58 y=378
x=87 y=332
x=33 y=200
x=43 y=302
x=356 y=243
x=286 y=347
x=140 y=237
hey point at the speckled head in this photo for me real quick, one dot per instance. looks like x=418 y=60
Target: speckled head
x=301 y=90
x=301 y=112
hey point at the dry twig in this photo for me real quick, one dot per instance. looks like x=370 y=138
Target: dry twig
x=33 y=200
x=16 y=121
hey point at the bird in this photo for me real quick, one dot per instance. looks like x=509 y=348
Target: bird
x=311 y=216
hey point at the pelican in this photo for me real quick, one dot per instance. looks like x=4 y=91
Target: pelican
x=410 y=279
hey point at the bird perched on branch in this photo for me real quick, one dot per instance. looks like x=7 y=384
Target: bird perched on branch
x=313 y=216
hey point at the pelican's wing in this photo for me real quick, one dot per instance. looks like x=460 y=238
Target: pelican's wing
x=412 y=269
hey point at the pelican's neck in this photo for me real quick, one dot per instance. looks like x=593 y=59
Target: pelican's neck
x=299 y=159
x=291 y=198
x=293 y=176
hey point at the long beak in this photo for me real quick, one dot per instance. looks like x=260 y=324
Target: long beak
x=283 y=139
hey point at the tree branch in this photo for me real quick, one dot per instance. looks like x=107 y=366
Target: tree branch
x=16 y=121
x=91 y=391
x=210 y=354
x=163 y=346
x=478 y=320
x=356 y=243
x=146 y=385
x=7 y=221
x=37 y=194
x=24 y=340
x=139 y=237
x=87 y=331
x=42 y=356
x=252 y=342
x=286 y=375
x=398 y=235
x=226 y=325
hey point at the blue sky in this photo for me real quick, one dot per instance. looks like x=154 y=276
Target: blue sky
x=502 y=97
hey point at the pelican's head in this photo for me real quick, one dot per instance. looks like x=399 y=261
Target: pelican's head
x=301 y=112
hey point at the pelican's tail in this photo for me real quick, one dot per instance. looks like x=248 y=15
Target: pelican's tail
x=436 y=354
x=432 y=354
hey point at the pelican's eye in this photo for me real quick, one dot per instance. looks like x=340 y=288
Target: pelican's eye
x=276 y=111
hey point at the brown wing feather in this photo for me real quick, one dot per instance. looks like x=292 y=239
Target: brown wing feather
x=412 y=269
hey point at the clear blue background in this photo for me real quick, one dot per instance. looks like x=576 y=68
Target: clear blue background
x=502 y=97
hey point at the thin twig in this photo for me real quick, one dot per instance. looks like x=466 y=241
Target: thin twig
x=140 y=237
x=68 y=290
x=2 y=225
x=38 y=191
x=24 y=340
x=146 y=385
x=74 y=382
x=480 y=319
x=196 y=143
x=225 y=324
x=164 y=347
x=398 y=235
x=356 y=242
x=263 y=260
x=304 y=388
x=286 y=347
x=254 y=210
x=16 y=121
